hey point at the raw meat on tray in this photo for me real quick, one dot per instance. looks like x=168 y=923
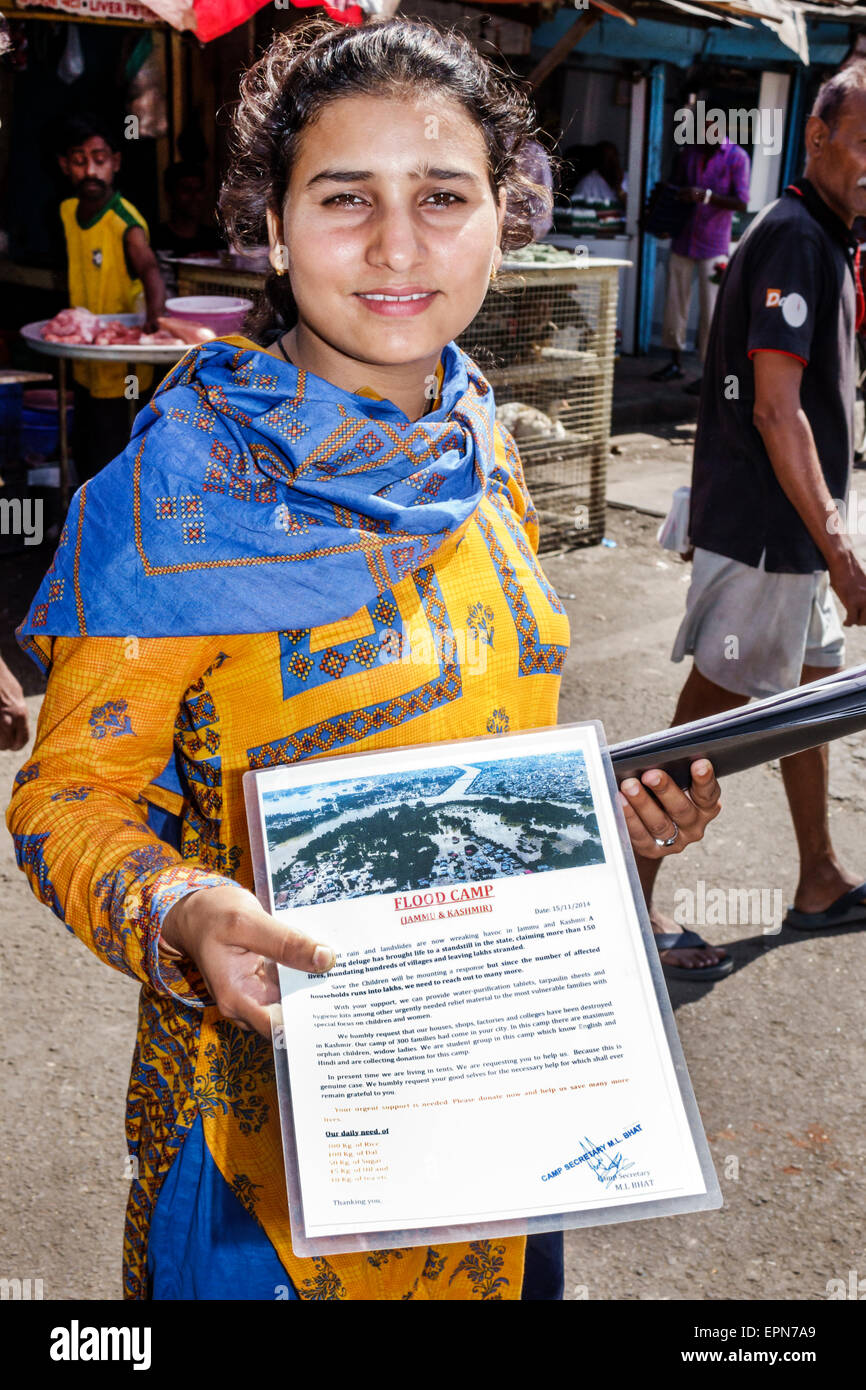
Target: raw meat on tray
x=79 y=325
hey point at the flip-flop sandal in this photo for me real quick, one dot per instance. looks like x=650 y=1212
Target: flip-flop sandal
x=670 y=372
x=689 y=940
x=850 y=907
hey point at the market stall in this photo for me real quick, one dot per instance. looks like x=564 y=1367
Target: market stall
x=545 y=339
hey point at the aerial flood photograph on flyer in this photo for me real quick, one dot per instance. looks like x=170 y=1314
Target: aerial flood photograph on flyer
x=457 y=824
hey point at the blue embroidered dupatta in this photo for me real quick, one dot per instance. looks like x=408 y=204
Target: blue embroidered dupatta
x=254 y=496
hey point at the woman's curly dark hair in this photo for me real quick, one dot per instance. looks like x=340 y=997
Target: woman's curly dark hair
x=317 y=62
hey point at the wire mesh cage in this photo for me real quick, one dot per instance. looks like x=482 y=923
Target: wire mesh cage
x=544 y=338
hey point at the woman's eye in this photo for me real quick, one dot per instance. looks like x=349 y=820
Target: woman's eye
x=340 y=199
x=444 y=193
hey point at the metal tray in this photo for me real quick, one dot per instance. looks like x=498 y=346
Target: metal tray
x=94 y=352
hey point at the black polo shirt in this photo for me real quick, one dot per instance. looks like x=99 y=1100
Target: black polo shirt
x=789 y=286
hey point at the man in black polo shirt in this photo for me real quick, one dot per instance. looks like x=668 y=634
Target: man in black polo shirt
x=772 y=457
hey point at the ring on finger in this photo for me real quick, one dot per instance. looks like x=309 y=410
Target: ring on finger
x=665 y=844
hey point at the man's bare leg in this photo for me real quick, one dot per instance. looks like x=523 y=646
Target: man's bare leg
x=699 y=698
x=806 y=775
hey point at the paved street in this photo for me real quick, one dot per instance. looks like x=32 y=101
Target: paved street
x=775 y=1051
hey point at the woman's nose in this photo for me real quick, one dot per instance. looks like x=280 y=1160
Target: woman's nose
x=395 y=236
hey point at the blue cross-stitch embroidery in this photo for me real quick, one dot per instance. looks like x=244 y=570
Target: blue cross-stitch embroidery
x=110 y=718
x=498 y=722
x=29 y=855
x=480 y=621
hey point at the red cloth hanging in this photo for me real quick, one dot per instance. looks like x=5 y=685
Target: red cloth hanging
x=217 y=17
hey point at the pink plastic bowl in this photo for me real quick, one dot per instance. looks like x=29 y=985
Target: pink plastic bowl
x=220 y=312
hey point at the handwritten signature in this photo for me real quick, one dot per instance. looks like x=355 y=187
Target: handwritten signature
x=606 y=1165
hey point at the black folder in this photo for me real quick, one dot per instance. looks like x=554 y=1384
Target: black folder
x=789 y=722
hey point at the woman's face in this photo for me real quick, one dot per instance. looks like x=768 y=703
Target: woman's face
x=390 y=197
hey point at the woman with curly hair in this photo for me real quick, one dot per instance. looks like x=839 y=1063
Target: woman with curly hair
x=228 y=592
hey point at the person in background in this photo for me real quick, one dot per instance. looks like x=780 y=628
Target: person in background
x=112 y=270
x=769 y=540
x=714 y=177
x=188 y=228
x=14 y=730
x=605 y=182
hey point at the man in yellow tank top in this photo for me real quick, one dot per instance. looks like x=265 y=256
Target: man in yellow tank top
x=112 y=270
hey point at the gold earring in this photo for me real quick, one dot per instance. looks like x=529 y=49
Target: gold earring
x=492 y=273
x=282 y=257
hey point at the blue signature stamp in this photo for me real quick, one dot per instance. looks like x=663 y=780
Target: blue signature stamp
x=606 y=1159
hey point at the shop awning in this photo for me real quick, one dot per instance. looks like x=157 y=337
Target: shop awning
x=786 y=18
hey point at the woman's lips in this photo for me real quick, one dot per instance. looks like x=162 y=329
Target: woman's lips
x=397 y=308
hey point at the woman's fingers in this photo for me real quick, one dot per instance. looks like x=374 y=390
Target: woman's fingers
x=657 y=809
x=248 y=987
x=705 y=790
x=246 y=971
x=229 y=916
x=265 y=935
x=236 y=946
x=243 y=981
x=658 y=820
x=642 y=841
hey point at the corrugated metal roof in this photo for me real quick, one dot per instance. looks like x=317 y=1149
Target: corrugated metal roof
x=786 y=18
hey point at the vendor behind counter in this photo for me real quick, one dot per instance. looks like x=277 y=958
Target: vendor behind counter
x=112 y=270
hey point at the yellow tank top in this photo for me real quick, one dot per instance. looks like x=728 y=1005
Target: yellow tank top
x=99 y=281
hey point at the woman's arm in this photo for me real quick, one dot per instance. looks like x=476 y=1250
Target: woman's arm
x=78 y=815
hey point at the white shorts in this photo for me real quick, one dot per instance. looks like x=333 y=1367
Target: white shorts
x=752 y=632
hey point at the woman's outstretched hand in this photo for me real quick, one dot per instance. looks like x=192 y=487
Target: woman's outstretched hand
x=669 y=809
x=237 y=946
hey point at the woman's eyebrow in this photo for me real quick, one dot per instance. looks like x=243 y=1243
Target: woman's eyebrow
x=425 y=171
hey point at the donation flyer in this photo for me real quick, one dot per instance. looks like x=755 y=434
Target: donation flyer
x=493 y=1052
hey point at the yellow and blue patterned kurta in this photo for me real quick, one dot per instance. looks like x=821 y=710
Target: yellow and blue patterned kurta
x=469 y=643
